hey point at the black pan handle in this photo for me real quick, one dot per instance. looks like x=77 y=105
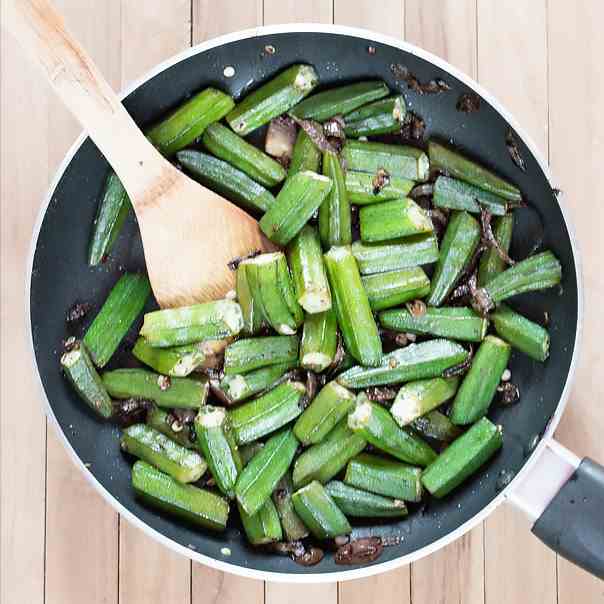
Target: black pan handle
x=573 y=522
x=564 y=497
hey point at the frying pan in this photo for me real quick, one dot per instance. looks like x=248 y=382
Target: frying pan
x=563 y=495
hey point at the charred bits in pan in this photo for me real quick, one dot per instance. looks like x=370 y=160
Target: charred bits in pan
x=514 y=151
x=468 y=103
x=434 y=86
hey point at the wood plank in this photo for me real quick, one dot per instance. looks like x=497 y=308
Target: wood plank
x=445 y=27
x=576 y=47
x=208 y=22
x=294 y=11
x=512 y=40
x=77 y=568
x=209 y=585
x=455 y=573
x=395 y=586
x=150 y=572
x=278 y=593
x=388 y=20
x=24 y=131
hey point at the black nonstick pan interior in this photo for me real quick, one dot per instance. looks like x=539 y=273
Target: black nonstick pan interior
x=61 y=276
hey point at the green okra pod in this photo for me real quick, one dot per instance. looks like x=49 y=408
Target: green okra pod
x=189 y=324
x=157 y=449
x=241 y=386
x=119 y=311
x=325 y=459
x=363 y=504
x=319 y=341
x=364 y=188
x=260 y=476
x=332 y=404
x=216 y=440
x=113 y=209
x=306 y=156
x=269 y=279
x=185 y=393
x=336 y=101
x=479 y=385
x=188 y=122
x=298 y=199
x=385 y=290
x=436 y=425
x=458 y=195
x=380 y=117
x=521 y=333
x=308 y=270
x=267 y=413
x=531 y=274
x=335 y=219
x=80 y=371
x=462 y=458
x=227 y=180
x=230 y=147
x=354 y=315
x=395 y=255
x=491 y=263
x=397 y=160
x=384 y=477
x=293 y=527
x=458 y=245
x=251 y=310
x=262 y=527
x=393 y=219
x=246 y=452
x=253 y=353
x=319 y=512
x=179 y=361
x=164 y=422
x=378 y=428
x=415 y=399
x=272 y=99
x=454 y=164
x=413 y=362
x=190 y=503
x=455 y=322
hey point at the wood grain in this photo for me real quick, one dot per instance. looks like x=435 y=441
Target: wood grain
x=78 y=568
x=511 y=60
x=576 y=88
x=514 y=34
x=233 y=16
x=22 y=421
x=456 y=573
x=294 y=11
x=388 y=20
x=149 y=572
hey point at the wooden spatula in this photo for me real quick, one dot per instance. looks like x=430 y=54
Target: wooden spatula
x=189 y=233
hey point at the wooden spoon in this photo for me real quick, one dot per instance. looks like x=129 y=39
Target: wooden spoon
x=189 y=233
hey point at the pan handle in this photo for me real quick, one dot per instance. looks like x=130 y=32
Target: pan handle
x=564 y=498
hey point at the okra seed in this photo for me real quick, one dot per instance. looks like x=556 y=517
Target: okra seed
x=225 y=551
x=506 y=376
x=229 y=71
x=176 y=426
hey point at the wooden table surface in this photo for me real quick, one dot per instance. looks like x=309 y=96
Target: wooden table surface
x=60 y=542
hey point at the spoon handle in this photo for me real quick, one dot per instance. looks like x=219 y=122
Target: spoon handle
x=40 y=29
